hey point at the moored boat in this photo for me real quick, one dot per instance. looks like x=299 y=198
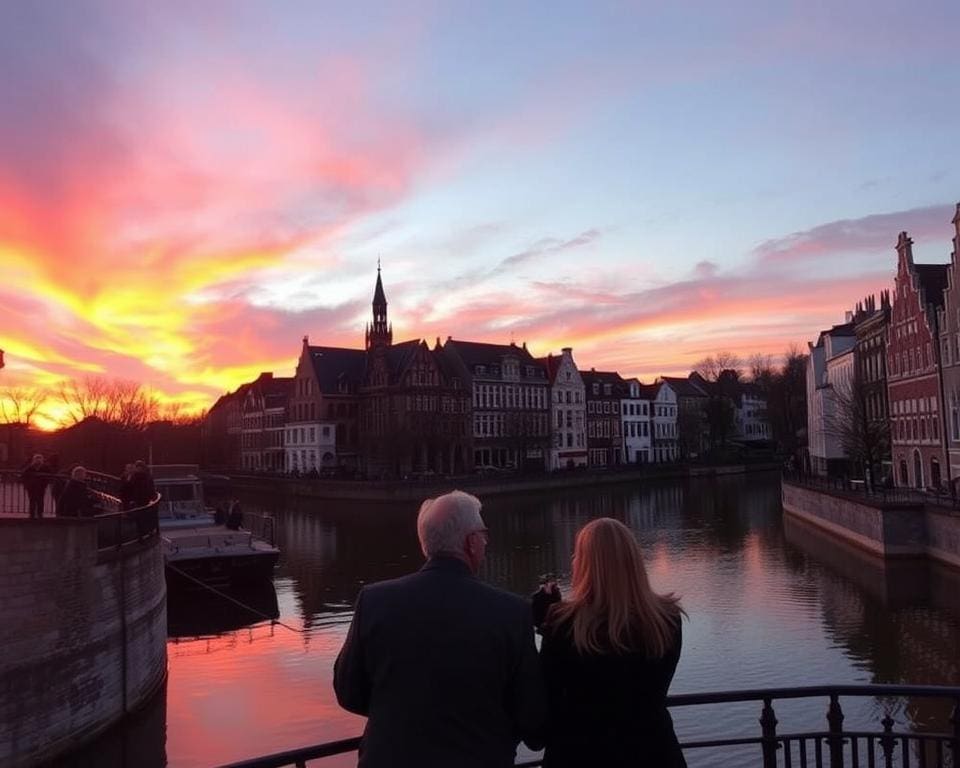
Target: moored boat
x=197 y=551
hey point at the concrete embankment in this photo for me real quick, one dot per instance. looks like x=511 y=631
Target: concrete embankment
x=489 y=486
x=892 y=529
x=83 y=635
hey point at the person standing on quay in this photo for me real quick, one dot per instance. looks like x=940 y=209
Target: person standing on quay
x=609 y=654
x=33 y=476
x=141 y=488
x=76 y=499
x=443 y=666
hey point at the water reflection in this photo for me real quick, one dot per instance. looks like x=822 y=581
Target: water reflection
x=770 y=603
x=198 y=613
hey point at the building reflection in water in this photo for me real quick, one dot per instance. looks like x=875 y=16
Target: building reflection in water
x=897 y=618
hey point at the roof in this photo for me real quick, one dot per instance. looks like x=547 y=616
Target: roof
x=591 y=377
x=551 y=365
x=933 y=281
x=332 y=364
x=399 y=357
x=379 y=297
x=684 y=387
x=649 y=391
x=473 y=353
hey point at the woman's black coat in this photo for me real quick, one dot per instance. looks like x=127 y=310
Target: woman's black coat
x=607 y=709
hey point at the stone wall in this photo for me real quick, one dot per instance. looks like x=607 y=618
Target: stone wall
x=885 y=529
x=943 y=537
x=82 y=640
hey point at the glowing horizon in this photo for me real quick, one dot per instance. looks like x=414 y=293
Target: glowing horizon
x=186 y=192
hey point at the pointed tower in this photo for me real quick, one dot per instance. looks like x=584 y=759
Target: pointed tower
x=379 y=332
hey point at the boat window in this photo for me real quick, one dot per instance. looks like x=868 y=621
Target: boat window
x=177 y=492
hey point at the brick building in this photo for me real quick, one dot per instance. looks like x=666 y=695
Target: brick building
x=913 y=371
x=604 y=392
x=415 y=409
x=510 y=401
x=568 y=410
x=263 y=418
x=949 y=322
x=871 y=324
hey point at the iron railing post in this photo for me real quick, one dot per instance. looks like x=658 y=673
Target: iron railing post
x=768 y=727
x=955 y=742
x=887 y=741
x=835 y=739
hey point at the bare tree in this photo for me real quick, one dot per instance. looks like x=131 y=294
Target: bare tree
x=712 y=366
x=762 y=370
x=114 y=401
x=19 y=405
x=865 y=440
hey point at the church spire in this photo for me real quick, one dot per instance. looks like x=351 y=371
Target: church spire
x=379 y=331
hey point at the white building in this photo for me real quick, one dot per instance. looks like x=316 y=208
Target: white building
x=663 y=422
x=568 y=428
x=830 y=365
x=310 y=446
x=635 y=415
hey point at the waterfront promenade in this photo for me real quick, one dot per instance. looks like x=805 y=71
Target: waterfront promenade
x=887 y=523
x=83 y=636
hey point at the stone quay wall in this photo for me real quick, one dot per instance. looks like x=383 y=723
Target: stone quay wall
x=889 y=530
x=417 y=490
x=83 y=635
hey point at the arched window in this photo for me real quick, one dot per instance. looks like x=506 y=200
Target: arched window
x=917 y=470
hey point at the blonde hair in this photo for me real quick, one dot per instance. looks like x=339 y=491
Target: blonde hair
x=612 y=606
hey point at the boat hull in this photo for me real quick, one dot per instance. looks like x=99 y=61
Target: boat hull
x=226 y=570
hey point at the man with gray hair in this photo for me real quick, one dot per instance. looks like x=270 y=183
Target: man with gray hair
x=442 y=665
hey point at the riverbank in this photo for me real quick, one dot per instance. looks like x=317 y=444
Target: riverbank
x=416 y=490
x=884 y=528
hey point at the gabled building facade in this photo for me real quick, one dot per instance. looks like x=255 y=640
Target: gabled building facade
x=871 y=327
x=693 y=429
x=663 y=422
x=604 y=391
x=322 y=429
x=568 y=412
x=913 y=371
x=263 y=420
x=635 y=424
x=831 y=356
x=949 y=322
x=510 y=399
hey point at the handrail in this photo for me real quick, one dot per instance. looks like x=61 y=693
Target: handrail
x=843 y=747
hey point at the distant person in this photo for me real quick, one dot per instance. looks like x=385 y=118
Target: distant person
x=126 y=486
x=34 y=479
x=77 y=500
x=57 y=479
x=220 y=515
x=142 y=490
x=443 y=666
x=609 y=654
x=235 y=516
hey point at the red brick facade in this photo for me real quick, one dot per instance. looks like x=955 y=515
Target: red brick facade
x=916 y=410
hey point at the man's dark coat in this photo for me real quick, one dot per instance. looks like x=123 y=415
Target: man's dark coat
x=445 y=668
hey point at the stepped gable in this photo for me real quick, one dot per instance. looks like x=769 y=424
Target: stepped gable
x=331 y=365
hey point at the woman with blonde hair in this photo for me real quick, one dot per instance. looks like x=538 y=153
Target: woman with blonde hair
x=609 y=653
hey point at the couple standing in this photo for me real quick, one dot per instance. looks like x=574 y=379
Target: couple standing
x=445 y=668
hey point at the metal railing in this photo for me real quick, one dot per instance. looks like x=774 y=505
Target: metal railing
x=115 y=527
x=858 y=489
x=833 y=746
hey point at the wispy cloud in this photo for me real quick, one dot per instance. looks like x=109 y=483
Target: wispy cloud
x=876 y=232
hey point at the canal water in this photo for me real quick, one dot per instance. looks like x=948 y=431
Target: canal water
x=770 y=601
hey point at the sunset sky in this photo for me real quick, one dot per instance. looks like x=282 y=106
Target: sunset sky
x=186 y=189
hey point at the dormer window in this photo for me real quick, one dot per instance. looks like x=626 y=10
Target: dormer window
x=480 y=369
x=596 y=388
